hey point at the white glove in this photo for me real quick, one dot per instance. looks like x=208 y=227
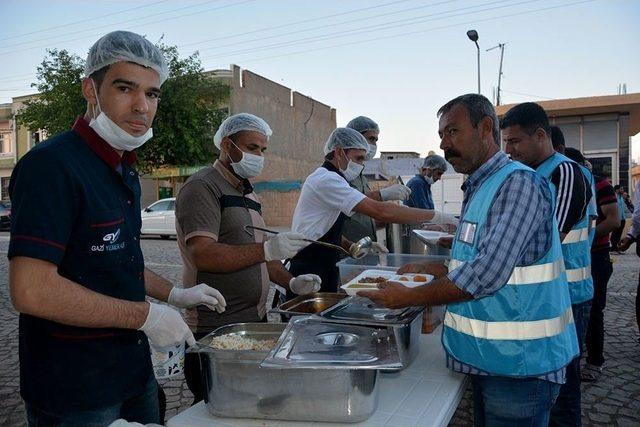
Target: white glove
x=305 y=284
x=284 y=245
x=444 y=218
x=378 y=248
x=164 y=327
x=201 y=294
x=395 y=192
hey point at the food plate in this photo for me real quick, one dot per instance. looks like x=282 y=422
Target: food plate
x=431 y=237
x=364 y=281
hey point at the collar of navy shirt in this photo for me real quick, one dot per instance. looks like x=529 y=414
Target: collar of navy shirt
x=101 y=147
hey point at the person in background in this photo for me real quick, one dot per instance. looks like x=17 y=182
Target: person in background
x=327 y=199
x=601 y=268
x=525 y=136
x=508 y=323
x=632 y=237
x=627 y=201
x=557 y=139
x=76 y=269
x=430 y=172
x=617 y=233
x=358 y=225
x=214 y=212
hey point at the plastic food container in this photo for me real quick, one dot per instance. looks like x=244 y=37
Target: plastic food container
x=167 y=361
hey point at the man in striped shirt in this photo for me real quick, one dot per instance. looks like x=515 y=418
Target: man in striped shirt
x=526 y=135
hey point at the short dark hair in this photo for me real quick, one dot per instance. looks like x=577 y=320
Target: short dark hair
x=478 y=108
x=617 y=186
x=98 y=76
x=557 y=137
x=529 y=116
x=575 y=155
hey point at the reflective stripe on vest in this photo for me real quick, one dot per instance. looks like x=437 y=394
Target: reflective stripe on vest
x=578 y=274
x=528 y=274
x=576 y=235
x=531 y=330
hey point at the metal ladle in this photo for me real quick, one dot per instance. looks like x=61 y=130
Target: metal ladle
x=358 y=250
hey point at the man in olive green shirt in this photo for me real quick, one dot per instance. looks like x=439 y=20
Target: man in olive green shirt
x=359 y=225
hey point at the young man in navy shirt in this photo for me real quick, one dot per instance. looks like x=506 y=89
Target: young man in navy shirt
x=76 y=269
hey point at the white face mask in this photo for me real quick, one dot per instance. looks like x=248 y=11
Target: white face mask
x=249 y=166
x=429 y=180
x=117 y=137
x=352 y=171
x=373 y=149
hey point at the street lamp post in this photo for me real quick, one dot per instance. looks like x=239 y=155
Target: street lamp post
x=473 y=36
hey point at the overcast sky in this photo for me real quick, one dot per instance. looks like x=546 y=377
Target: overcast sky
x=395 y=61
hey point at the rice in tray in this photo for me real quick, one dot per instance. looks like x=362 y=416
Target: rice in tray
x=238 y=342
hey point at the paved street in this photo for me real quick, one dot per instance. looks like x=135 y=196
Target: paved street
x=614 y=400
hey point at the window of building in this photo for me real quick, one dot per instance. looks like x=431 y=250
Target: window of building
x=4 y=187
x=37 y=137
x=5 y=144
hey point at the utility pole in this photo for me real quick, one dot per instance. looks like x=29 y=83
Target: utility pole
x=501 y=46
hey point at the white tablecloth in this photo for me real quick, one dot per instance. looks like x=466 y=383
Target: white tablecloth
x=425 y=394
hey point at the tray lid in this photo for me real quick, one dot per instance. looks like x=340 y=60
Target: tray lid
x=309 y=342
x=363 y=311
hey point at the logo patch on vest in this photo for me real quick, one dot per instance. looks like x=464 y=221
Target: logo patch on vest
x=467 y=232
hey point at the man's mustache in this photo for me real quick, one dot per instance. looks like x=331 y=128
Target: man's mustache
x=451 y=153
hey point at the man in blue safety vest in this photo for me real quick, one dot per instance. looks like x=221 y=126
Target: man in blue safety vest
x=526 y=137
x=508 y=323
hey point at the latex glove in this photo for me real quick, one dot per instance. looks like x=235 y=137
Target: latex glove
x=284 y=245
x=444 y=218
x=395 y=192
x=305 y=284
x=201 y=294
x=379 y=248
x=164 y=327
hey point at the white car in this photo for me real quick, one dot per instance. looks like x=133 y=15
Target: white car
x=160 y=218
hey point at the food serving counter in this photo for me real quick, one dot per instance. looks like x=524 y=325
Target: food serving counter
x=424 y=394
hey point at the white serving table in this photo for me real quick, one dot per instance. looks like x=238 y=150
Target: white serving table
x=424 y=394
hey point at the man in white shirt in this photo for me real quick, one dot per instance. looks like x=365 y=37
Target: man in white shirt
x=327 y=200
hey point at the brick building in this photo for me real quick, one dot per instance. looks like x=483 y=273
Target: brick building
x=300 y=127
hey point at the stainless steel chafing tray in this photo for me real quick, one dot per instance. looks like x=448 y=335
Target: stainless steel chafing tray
x=237 y=386
x=405 y=323
x=308 y=304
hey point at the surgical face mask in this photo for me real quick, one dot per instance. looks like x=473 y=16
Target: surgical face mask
x=352 y=171
x=429 y=180
x=249 y=166
x=115 y=136
x=373 y=149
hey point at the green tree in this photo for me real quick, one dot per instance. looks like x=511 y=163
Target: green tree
x=59 y=100
x=190 y=108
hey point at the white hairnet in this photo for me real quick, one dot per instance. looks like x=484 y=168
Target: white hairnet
x=434 y=161
x=363 y=124
x=346 y=138
x=239 y=122
x=125 y=46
